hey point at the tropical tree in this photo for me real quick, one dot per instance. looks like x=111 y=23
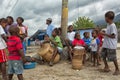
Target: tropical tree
x=83 y=23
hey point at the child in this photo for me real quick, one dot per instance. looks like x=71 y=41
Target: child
x=22 y=32
x=56 y=41
x=16 y=54
x=110 y=43
x=70 y=34
x=95 y=44
x=87 y=40
x=3 y=46
x=78 y=41
x=3 y=20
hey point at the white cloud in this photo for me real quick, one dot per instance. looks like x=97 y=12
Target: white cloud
x=35 y=12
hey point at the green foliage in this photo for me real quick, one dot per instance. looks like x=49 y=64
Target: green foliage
x=117 y=24
x=83 y=23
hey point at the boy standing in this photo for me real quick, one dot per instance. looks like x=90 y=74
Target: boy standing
x=110 y=43
x=16 y=54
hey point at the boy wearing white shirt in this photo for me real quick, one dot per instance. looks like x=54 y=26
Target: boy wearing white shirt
x=70 y=34
x=110 y=43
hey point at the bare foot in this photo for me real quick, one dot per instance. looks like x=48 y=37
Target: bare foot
x=116 y=72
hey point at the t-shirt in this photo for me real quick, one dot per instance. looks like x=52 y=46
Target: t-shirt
x=71 y=35
x=58 y=41
x=87 y=41
x=110 y=43
x=94 y=44
x=14 y=45
x=49 y=30
x=22 y=28
x=2 y=42
x=77 y=42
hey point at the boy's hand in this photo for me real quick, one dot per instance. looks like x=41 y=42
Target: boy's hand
x=24 y=60
x=102 y=33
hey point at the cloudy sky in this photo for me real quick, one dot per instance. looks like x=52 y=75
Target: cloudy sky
x=35 y=12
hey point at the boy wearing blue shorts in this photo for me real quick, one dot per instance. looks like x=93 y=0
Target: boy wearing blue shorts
x=16 y=54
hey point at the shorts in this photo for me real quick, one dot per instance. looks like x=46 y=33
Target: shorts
x=94 y=52
x=3 y=57
x=60 y=50
x=15 y=67
x=110 y=54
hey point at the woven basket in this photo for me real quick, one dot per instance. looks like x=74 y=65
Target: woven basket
x=44 y=49
x=76 y=64
x=77 y=59
x=48 y=57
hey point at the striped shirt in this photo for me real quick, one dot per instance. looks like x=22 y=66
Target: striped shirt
x=14 y=45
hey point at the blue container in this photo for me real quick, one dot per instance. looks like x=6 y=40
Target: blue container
x=28 y=42
x=29 y=65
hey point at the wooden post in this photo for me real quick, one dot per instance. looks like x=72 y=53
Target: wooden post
x=64 y=18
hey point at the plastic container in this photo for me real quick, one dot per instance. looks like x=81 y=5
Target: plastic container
x=29 y=65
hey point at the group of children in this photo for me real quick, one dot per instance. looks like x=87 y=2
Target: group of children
x=12 y=37
x=102 y=44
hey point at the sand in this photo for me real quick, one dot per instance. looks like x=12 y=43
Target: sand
x=63 y=71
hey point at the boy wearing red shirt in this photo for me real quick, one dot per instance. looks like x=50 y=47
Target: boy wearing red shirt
x=16 y=54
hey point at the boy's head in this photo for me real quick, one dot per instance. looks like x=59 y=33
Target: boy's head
x=59 y=31
x=55 y=32
x=70 y=28
x=46 y=37
x=14 y=31
x=94 y=33
x=10 y=20
x=3 y=22
x=86 y=34
x=109 y=16
x=77 y=36
x=20 y=20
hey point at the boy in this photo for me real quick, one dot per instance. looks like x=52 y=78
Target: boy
x=56 y=41
x=95 y=45
x=70 y=34
x=110 y=43
x=16 y=55
x=3 y=57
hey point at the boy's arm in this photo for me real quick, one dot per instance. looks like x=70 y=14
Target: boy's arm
x=22 y=55
x=113 y=32
x=4 y=37
x=53 y=42
x=110 y=36
x=19 y=47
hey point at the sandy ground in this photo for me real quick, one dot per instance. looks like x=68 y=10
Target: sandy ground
x=63 y=71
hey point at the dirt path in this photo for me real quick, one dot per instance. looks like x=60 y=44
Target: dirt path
x=63 y=71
